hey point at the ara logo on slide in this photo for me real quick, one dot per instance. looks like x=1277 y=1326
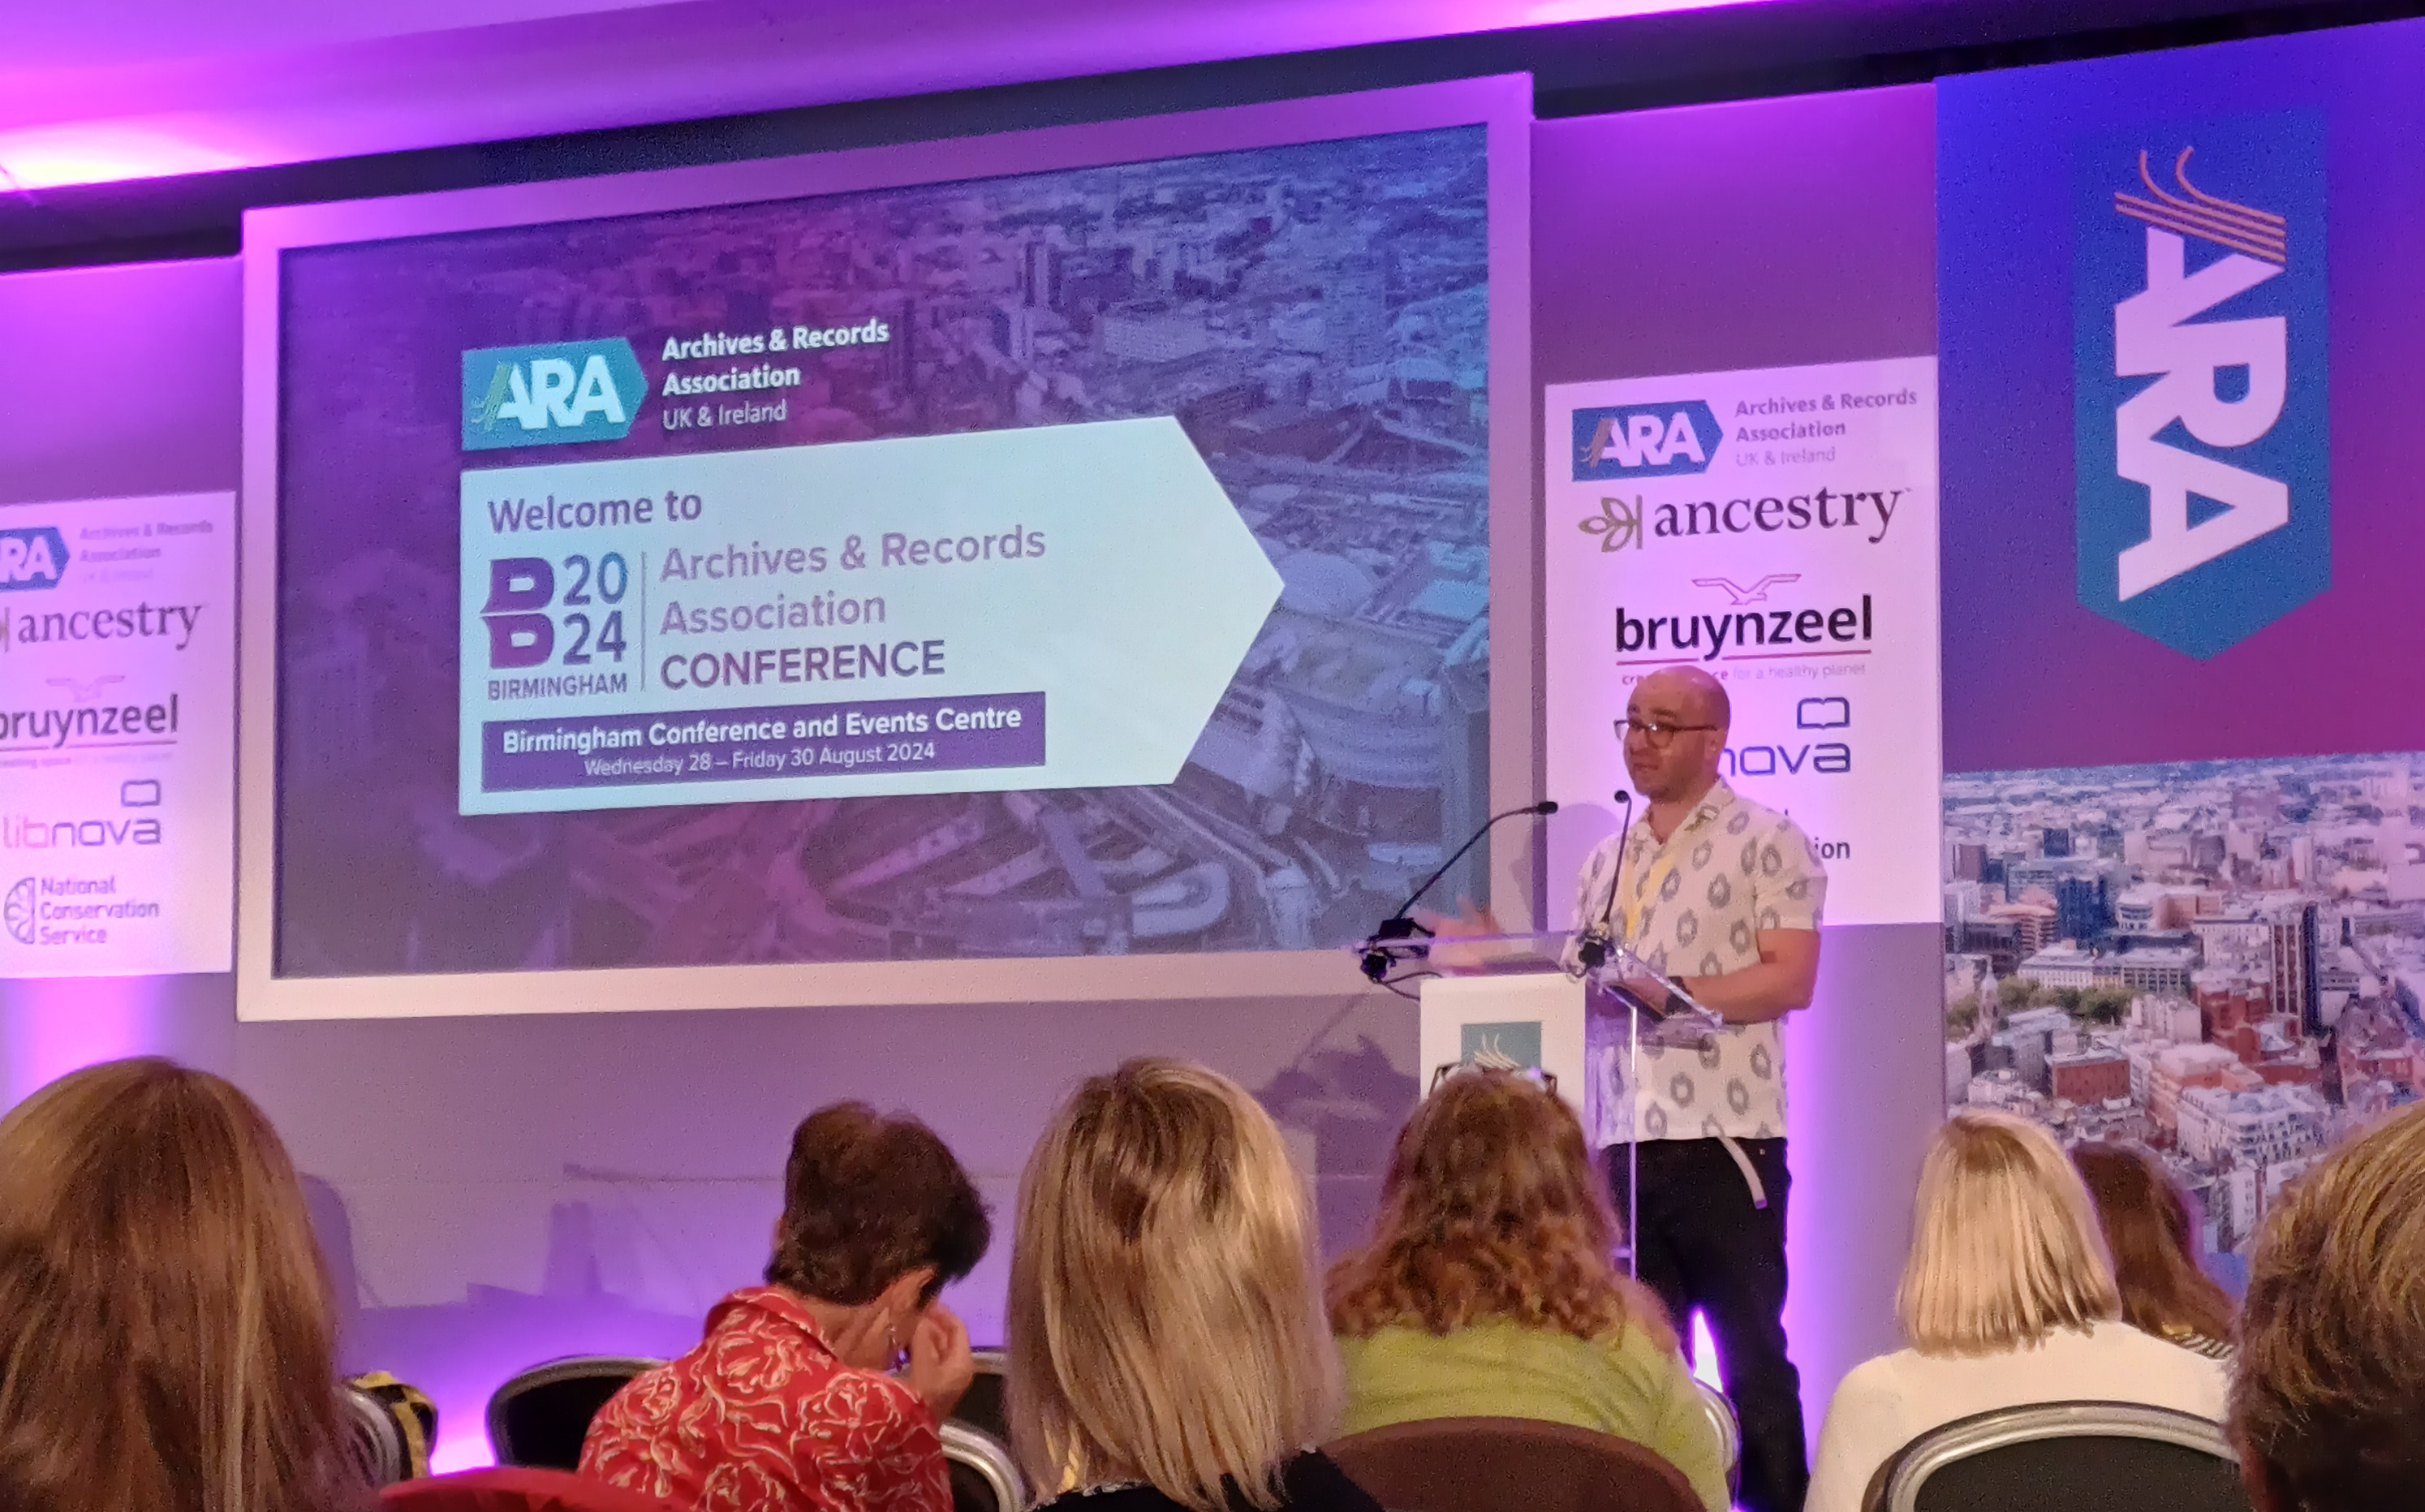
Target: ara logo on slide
x=2200 y=422
x=1645 y=440
x=32 y=556
x=543 y=395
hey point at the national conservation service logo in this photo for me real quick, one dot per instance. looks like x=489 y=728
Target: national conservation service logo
x=2200 y=413
x=17 y=911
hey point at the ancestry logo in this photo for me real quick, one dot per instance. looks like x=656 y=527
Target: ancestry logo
x=1622 y=523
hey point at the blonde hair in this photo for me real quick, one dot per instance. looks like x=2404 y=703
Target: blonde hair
x=165 y=1326
x=2328 y=1401
x=1492 y=1210
x=2005 y=1248
x=1165 y=1322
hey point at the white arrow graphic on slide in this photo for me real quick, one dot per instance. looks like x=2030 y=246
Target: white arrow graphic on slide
x=1130 y=612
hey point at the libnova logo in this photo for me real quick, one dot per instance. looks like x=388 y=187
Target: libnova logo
x=2201 y=419
x=546 y=395
x=1645 y=440
x=31 y=556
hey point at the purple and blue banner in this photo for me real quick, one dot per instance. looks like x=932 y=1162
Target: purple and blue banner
x=2178 y=327
x=2240 y=422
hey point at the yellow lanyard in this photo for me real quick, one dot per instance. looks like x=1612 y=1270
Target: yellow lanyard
x=1671 y=856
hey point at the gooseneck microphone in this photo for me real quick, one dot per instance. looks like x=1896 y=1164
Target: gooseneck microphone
x=1592 y=949
x=1401 y=925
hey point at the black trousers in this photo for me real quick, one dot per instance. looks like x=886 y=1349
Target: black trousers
x=1702 y=1246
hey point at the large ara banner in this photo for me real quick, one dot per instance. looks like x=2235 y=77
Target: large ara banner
x=2184 y=890
x=116 y=736
x=1779 y=528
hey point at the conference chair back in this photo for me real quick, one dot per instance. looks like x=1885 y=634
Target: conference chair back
x=984 y=1476
x=2083 y=1457
x=1728 y=1429
x=1509 y=1465
x=539 y=1417
x=982 y=1405
x=395 y=1423
x=514 y=1489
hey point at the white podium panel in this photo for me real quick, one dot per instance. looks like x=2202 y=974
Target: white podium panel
x=1513 y=1023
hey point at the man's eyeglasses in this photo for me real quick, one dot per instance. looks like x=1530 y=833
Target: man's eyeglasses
x=1657 y=733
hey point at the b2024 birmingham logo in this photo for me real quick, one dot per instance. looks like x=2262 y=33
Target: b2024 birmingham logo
x=2199 y=348
x=550 y=394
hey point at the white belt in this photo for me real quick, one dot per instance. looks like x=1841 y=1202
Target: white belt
x=1750 y=1174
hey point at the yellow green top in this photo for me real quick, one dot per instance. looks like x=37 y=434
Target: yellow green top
x=1628 y=1387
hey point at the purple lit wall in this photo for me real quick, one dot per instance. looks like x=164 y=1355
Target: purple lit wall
x=137 y=395
x=1760 y=234
x=495 y=1191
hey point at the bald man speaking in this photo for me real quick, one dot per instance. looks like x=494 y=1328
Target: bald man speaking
x=1722 y=896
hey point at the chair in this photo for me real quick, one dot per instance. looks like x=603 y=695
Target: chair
x=983 y=1406
x=983 y=1478
x=1728 y=1427
x=385 y=1453
x=514 y=1489
x=1509 y=1465
x=540 y=1416
x=2080 y=1457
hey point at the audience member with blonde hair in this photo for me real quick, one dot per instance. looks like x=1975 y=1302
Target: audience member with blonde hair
x=2329 y=1404
x=1488 y=1288
x=2008 y=1299
x=2146 y=1224
x=165 y=1330
x=1167 y=1342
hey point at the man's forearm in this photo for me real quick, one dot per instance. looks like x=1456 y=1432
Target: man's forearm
x=1759 y=993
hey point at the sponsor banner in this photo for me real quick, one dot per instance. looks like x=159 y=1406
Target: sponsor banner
x=1776 y=528
x=850 y=619
x=116 y=736
x=2179 y=324
x=2184 y=893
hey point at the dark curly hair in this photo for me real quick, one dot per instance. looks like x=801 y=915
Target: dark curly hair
x=867 y=1198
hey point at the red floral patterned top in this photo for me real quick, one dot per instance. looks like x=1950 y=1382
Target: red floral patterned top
x=763 y=1417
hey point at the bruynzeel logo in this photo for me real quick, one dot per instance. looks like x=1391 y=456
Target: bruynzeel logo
x=32 y=556
x=2201 y=419
x=565 y=390
x=1645 y=440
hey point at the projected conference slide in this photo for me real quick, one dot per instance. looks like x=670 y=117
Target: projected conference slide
x=1078 y=562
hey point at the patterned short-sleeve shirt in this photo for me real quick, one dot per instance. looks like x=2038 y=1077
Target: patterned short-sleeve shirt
x=1732 y=869
x=763 y=1417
